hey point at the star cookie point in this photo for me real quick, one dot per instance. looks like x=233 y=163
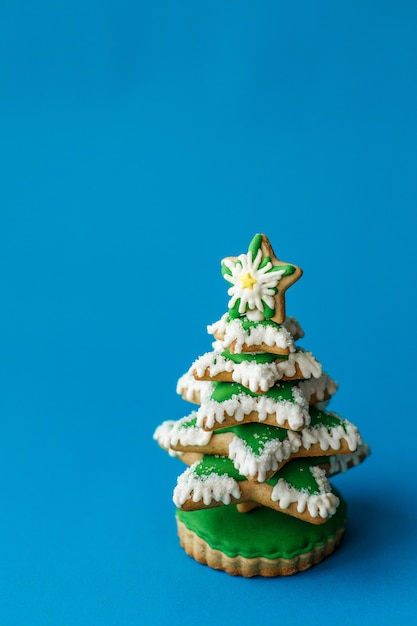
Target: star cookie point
x=258 y=282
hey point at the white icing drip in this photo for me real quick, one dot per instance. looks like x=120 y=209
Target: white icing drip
x=331 y=438
x=294 y=413
x=323 y=504
x=162 y=436
x=320 y=387
x=205 y=488
x=308 y=365
x=250 y=464
x=233 y=331
x=255 y=376
x=274 y=451
x=342 y=462
x=188 y=435
x=190 y=388
x=255 y=315
x=294 y=327
x=214 y=362
x=263 y=376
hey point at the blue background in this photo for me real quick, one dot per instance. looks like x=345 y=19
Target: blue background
x=141 y=142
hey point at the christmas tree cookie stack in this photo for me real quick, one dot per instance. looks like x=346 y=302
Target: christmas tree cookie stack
x=261 y=443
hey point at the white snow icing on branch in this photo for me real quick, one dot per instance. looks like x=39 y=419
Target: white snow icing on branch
x=190 y=388
x=206 y=488
x=319 y=387
x=294 y=327
x=331 y=438
x=233 y=330
x=239 y=406
x=322 y=504
x=250 y=464
x=257 y=376
x=342 y=462
x=185 y=434
x=163 y=436
x=308 y=365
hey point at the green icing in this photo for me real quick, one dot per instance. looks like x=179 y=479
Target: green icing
x=256 y=357
x=225 y=391
x=247 y=324
x=256 y=435
x=286 y=269
x=220 y=465
x=261 y=533
x=296 y=472
x=254 y=246
x=190 y=423
x=324 y=418
x=226 y=270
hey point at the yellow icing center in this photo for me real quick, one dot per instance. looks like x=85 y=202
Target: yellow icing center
x=247 y=281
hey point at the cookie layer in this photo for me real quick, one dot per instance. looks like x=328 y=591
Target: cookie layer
x=263 y=542
x=299 y=489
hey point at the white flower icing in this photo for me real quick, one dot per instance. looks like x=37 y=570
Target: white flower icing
x=251 y=284
x=205 y=488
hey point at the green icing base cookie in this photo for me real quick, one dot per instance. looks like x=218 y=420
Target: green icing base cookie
x=263 y=542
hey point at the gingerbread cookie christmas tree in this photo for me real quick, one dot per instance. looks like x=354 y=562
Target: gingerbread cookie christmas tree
x=261 y=446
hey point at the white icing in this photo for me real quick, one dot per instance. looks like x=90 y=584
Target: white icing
x=187 y=435
x=194 y=390
x=342 y=462
x=239 y=406
x=308 y=365
x=331 y=438
x=214 y=362
x=320 y=387
x=322 y=504
x=263 y=376
x=261 y=288
x=274 y=452
x=205 y=488
x=294 y=327
x=163 y=436
x=233 y=331
x=250 y=464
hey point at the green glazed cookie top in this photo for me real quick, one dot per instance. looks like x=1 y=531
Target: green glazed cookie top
x=285 y=401
x=257 y=449
x=215 y=480
x=263 y=532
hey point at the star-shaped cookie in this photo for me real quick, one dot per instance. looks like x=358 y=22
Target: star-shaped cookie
x=258 y=282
